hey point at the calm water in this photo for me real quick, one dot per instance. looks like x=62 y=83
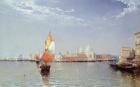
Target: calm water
x=99 y=74
x=19 y=74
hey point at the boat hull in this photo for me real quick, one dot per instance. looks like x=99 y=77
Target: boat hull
x=37 y=62
x=127 y=68
x=44 y=69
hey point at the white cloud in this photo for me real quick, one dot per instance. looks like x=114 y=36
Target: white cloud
x=132 y=5
x=29 y=7
x=56 y=15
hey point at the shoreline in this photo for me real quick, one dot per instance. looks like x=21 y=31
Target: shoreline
x=56 y=61
x=18 y=60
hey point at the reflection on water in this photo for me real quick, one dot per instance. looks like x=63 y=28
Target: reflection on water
x=45 y=81
x=96 y=74
x=88 y=75
x=130 y=80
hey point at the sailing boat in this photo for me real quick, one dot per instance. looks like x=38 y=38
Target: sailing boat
x=47 y=55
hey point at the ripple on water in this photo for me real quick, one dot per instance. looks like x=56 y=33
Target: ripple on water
x=88 y=75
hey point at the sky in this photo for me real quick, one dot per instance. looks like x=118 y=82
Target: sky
x=104 y=25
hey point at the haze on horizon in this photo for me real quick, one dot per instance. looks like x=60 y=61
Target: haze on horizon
x=104 y=25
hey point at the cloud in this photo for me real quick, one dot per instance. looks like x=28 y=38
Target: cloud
x=61 y=11
x=57 y=16
x=132 y=5
x=29 y=7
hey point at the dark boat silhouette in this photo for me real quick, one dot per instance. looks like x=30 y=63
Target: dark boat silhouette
x=47 y=56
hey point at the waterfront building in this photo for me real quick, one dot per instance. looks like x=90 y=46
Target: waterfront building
x=127 y=54
x=137 y=46
x=58 y=57
x=81 y=54
x=87 y=52
x=104 y=57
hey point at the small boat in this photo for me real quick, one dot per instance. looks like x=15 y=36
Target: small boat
x=45 y=69
x=113 y=65
x=123 y=67
x=126 y=67
x=47 y=56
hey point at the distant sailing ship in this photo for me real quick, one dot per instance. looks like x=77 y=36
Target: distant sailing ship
x=47 y=56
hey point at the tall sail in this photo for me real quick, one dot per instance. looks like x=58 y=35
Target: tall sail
x=48 y=41
x=49 y=49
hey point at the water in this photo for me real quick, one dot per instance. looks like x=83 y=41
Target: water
x=19 y=74
x=99 y=74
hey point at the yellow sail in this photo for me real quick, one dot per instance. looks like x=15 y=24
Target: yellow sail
x=48 y=41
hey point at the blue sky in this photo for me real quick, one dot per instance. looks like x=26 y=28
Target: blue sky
x=105 y=25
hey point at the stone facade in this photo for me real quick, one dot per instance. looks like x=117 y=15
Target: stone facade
x=137 y=46
x=126 y=54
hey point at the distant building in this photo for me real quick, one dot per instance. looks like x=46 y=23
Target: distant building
x=81 y=54
x=126 y=54
x=104 y=57
x=58 y=57
x=137 y=46
x=87 y=52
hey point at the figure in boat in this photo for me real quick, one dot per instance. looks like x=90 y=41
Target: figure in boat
x=47 y=55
